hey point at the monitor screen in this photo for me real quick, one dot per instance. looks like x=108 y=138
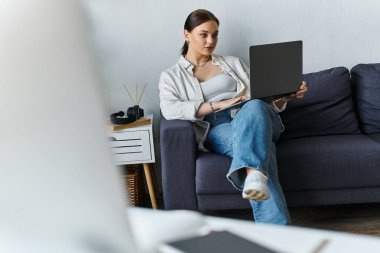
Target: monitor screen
x=59 y=189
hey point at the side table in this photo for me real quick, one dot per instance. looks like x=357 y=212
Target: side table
x=135 y=146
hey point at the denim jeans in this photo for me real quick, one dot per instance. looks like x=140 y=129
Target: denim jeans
x=249 y=139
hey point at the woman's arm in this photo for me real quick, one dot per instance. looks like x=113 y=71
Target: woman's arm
x=171 y=104
x=209 y=107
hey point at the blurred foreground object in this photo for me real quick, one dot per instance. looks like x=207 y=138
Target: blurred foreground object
x=59 y=189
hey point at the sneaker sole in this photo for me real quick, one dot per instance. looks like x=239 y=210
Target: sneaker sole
x=255 y=195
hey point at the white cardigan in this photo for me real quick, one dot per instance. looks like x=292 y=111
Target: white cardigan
x=180 y=91
x=181 y=94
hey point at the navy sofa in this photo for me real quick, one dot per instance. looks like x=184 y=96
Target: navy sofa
x=328 y=154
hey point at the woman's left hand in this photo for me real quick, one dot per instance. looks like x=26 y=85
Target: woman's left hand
x=301 y=92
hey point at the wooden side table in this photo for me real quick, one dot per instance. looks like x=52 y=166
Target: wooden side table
x=135 y=146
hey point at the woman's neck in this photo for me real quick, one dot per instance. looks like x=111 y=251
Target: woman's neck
x=197 y=59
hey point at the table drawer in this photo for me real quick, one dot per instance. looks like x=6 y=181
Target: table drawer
x=133 y=146
x=127 y=135
x=126 y=143
x=126 y=150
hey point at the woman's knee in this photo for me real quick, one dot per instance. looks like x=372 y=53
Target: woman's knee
x=256 y=103
x=256 y=108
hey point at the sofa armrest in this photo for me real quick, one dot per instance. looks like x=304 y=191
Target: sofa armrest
x=178 y=160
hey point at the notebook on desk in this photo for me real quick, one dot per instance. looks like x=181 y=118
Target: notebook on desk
x=218 y=241
x=275 y=71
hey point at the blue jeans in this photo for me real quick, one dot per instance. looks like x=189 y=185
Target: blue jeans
x=249 y=139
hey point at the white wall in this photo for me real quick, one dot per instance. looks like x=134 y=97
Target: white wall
x=137 y=39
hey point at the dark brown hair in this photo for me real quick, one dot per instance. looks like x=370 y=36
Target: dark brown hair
x=195 y=19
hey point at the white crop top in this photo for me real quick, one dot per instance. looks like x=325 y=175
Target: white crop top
x=219 y=87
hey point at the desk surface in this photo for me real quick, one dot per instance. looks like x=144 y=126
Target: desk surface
x=151 y=228
x=298 y=239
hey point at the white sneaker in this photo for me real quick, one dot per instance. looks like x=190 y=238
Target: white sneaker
x=256 y=186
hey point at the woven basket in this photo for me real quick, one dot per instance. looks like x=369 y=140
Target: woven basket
x=134 y=184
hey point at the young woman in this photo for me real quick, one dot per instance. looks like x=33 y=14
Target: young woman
x=201 y=83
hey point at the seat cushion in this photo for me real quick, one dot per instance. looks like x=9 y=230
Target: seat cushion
x=214 y=191
x=375 y=137
x=326 y=109
x=366 y=84
x=329 y=162
x=210 y=175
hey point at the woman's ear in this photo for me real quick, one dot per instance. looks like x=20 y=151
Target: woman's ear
x=186 y=34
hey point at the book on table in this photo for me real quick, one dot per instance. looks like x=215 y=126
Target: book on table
x=137 y=123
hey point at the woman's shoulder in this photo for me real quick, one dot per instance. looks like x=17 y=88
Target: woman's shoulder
x=175 y=69
x=171 y=71
x=232 y=61
x=229 y=59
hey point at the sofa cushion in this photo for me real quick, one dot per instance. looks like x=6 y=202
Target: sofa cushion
x=375 y=137
x=366 y=78
x=329 y=162
x=210 y=175
x=326 y=109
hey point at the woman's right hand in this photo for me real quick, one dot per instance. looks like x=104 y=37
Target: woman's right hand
x=228 y=102
x=206 y=108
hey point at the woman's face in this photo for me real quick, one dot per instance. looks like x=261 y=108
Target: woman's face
x=203 y=38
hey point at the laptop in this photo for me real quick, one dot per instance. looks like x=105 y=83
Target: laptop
x=275 y=71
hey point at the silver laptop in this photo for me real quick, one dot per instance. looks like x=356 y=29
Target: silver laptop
x=275 y=71
x=59 y=189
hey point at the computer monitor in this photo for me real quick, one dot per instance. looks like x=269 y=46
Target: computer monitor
x=59 y=189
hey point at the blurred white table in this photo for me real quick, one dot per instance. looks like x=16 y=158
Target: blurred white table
x=289 y=239
x=153 y=227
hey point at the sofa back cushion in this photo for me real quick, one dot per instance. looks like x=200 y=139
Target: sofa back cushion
x=366 y=84
x=326 y=109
